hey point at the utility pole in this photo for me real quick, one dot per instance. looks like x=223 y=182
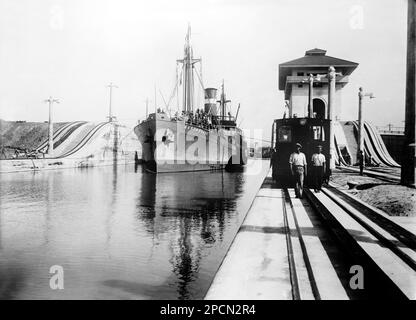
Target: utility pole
x=407 y=176
x=50 y=101
x=360 y=155
x=332 y=79
x=331 y=106
x=110 y=114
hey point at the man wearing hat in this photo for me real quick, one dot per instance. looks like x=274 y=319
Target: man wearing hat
x=298 y=167
x=318 y=168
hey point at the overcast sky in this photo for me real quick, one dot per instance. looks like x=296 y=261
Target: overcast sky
x=73 y=49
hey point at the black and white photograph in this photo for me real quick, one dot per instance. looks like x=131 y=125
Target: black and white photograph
x=217 y=152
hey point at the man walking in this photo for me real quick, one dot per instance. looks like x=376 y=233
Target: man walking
x=298 y=167
x=318 y=168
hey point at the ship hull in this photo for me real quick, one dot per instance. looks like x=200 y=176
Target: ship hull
x=174 y=146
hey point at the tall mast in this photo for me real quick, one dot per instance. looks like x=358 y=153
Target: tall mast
x=190 y=74
x=187 y=70
x=223 y=101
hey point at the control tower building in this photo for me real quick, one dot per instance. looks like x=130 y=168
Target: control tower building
x=295 y=80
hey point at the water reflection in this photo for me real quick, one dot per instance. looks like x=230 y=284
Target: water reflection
x=191 y=208
x=118 y=232
x=111 y=212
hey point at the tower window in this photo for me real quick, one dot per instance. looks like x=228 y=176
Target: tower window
x=284 y=134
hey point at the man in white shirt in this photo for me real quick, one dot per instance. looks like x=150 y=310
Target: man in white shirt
x=318 y=168
x=298 y=167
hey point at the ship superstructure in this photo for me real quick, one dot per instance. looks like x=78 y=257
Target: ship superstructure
x=193 y=138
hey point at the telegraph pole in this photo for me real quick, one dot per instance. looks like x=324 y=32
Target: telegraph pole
x=50 y=101
x=110 y=114
x=360 y=155
x=408 y=153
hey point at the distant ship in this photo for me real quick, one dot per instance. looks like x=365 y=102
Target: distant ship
x=192 y=139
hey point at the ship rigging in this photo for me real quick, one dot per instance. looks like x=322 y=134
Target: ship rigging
x=196 y=138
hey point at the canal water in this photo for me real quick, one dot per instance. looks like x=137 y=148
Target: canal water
x=119 y=233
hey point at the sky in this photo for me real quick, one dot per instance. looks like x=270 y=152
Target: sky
x=72 y=50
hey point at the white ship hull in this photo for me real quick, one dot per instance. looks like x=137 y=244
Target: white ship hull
x=174 y=146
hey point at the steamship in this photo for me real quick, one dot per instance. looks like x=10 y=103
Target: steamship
x=192 y=139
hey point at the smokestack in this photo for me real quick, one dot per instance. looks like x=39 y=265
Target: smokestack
x=211 y=101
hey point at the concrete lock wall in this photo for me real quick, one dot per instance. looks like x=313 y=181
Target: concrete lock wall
x=394 y=144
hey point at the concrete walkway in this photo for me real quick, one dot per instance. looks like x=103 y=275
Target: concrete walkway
x=256 y=265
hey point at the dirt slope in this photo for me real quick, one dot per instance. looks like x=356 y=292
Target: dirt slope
x=24 y=135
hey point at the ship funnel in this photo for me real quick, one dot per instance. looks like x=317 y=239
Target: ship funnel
x=211 y=101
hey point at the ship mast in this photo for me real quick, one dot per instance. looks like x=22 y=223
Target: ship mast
x=223 y=102
x=187 y=73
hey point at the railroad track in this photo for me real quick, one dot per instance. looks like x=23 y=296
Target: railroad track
x=292 y=229
x=388 y=177
x=353 y=235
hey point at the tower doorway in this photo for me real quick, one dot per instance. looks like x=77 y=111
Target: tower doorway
x=319 y=108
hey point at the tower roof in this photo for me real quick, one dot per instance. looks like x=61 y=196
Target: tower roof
x=314 y=59
x=315 y=52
